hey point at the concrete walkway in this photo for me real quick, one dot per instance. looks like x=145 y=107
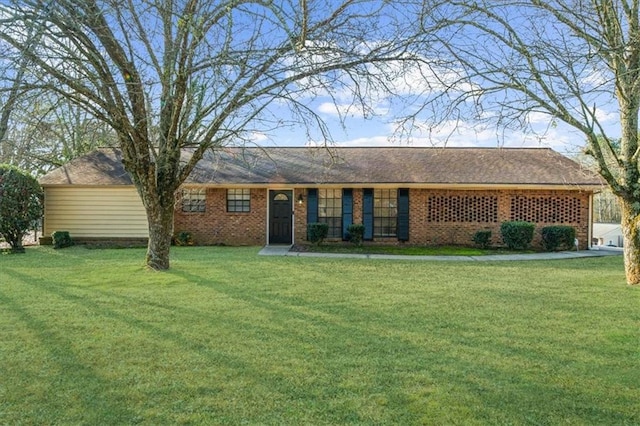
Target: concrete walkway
x=283 y=250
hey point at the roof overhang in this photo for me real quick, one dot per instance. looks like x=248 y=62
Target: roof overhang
x=435 y=186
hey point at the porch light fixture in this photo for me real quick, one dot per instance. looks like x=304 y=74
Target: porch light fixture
x=300 y=199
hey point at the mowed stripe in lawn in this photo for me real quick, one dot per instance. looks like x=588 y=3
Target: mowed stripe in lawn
x=225 y=336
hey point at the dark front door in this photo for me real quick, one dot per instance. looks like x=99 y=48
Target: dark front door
x=280 y=215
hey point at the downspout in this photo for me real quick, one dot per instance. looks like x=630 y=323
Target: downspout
x=590 y=225
x=268 y=199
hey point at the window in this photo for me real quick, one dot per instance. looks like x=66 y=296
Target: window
x=194 y=200
x=238 y=200
x=330 y=210
x=385 y=212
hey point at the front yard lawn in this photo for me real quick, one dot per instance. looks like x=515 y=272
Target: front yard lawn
x=405 y=250
x=229 y=337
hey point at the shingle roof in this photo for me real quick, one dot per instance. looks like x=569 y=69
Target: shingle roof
x=351 y=166
x=100 y=167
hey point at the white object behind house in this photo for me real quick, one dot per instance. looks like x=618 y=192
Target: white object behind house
x=608 y=234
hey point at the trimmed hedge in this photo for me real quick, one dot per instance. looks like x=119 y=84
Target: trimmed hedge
x=183 y=238
x=482 y=239
x=61 y=239
x=559 y=236
x=317 y=232
x=356 y=233
x=517 y=235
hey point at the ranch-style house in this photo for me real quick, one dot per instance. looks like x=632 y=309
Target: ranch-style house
x=402 y=195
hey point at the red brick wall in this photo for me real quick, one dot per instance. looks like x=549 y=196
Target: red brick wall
x=217 y=226
x=446 y=226
x=461 y=232
x=300 y=216
x=447 y=222
x=423 y=231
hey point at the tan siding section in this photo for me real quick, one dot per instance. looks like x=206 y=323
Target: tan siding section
x=95 y=212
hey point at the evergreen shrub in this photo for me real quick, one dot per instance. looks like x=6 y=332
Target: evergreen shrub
x=317 y=232
x=355 y=232
x=61 y=239
x=183 y=238
x=517 y=235
x=558 y=237
x=482 y=238
x=21 y=205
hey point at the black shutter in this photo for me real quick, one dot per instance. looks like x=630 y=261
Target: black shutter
x=403 y=214
x=312 y=207
x=367 y=213
x=347 y=211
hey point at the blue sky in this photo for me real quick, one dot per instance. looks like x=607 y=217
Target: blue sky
x=349 y=126
x=381 y=130
x=543 y=130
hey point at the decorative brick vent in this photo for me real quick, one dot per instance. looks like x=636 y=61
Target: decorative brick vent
x=462 y=208
x=546 y=209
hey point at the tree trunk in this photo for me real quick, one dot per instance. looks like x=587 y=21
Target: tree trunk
x=631 y=234
x=160 y=218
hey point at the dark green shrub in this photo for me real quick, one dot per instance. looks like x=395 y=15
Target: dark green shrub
x=517 y=235
x=183 y=238
x=355 y=233
x=482 y=239
x=61 y=239
x=21 y=205
x=559 y=236
x=317 y=232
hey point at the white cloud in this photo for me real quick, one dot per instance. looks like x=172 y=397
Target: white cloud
x=368 y=142
x=604 y=116
x=352 y=110
x=397 y=82
x=333 y=109
x=465 y=134
x=597 y=78
x=537 y=117
x=427 y=77
x=258 y=137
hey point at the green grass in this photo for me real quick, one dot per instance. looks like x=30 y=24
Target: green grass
x=229 y=337
x=407 y=250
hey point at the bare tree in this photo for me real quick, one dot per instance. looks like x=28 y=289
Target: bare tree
x=45 y=131
x=9 y=101
x=569 y=59
x=173 y=74
x=40 y=130
x=13 y=79
x=606 y=208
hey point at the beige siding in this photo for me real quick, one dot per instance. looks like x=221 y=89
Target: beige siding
x=95 y=212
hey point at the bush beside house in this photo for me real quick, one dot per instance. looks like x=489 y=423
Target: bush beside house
x=317 y=232
x=558 y=237
x=517 y=235
x=21 y=205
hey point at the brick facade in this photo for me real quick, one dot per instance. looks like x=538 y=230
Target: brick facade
x=436 y=217
x=217 y=226
x=300 y=216
x=427 y=227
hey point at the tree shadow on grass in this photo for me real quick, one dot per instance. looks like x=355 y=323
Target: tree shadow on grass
x=297 y=359
x=403 y=369
x=74 y=391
